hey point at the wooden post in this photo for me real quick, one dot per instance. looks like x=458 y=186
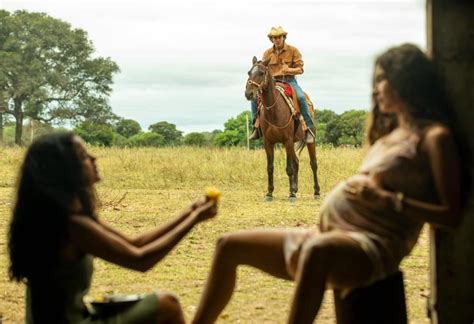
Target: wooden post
x=450 y=32
x=3 y=106
x=1 y=128
x=247 y=128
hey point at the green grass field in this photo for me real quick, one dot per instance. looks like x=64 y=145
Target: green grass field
x=142 y=188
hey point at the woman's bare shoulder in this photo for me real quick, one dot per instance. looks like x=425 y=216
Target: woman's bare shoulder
x=437 y=129
x=438 y=137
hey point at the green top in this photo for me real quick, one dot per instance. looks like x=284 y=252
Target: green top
x=58 y=298
x=60 y=294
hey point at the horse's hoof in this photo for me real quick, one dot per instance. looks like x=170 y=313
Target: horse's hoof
x=292 y=198
x=268 y=198
x=317 y=196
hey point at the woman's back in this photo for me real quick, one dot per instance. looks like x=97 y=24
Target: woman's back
x=58 y=295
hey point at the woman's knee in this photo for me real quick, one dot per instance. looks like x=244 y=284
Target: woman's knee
x=317 y=251
x=226 y=243
x=169 y=309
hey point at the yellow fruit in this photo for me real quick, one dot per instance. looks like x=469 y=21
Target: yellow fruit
x=213 y=193
x=99 y=299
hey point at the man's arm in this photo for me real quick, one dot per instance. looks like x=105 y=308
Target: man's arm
x=297 y=66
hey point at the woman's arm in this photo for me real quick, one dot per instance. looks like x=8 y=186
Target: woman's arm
x=444 y=163
x=152 y=235
x=92 y=237
x=443 y=157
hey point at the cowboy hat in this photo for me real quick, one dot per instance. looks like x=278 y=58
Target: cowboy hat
x=277 y=31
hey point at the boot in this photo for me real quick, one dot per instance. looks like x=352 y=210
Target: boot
x=309 y=136
x=255 y=134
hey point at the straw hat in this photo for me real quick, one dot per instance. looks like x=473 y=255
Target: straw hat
x=277 y=31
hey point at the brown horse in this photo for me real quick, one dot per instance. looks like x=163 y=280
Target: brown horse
x=278 y=125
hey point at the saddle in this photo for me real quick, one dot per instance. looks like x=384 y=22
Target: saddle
x=289 y=94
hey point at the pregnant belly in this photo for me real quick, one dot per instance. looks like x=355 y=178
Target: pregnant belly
x=338 y=211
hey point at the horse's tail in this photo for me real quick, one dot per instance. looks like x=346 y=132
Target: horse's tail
x=300 y=146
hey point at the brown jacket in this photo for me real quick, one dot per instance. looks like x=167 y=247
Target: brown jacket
x=289 y=55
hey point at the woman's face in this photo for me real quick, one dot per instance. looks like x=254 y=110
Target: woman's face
x=87 y=161
x=385 y=96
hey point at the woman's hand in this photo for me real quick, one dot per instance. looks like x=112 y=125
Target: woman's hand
x=204 y=208
x=368 y=195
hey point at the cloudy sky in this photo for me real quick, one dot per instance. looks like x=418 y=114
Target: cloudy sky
x=186 y=61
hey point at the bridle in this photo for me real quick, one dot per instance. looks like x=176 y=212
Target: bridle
x=262 y=85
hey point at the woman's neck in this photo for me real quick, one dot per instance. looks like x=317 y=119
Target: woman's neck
x=405 y=120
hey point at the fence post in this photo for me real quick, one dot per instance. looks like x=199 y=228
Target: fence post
x=247 y=128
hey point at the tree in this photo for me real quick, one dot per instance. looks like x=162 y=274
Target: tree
x=48 y=72
x=235 y=132
x=333 y=132
x=169 y=132
x=128 y=127
x=324 y=116
x=321 y=133
x=95 y=134
x=147 y=139
x=347 y=129
x=209 y=136
x=195 y=139
x=353 y=127
x=227 y=138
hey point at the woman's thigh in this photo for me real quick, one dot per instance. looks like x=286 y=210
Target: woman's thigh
x=262 y=249
x=345 y=263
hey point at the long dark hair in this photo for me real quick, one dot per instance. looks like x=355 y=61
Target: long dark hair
x=418 y=82
x=51 y=182
x=421 y=85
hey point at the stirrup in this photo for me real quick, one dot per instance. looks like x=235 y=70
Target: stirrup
x=309 y=137
x=255 y=134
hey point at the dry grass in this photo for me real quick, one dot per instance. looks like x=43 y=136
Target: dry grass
x=145 y=187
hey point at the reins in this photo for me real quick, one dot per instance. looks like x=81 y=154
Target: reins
x=273 y=125
x=260 y=88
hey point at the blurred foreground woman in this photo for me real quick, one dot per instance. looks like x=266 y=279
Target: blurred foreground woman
x=369 y=223
x=55 y=232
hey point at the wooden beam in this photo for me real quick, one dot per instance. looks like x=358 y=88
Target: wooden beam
x=450 y=32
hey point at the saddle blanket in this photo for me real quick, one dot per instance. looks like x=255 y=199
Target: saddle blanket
x=289 y=95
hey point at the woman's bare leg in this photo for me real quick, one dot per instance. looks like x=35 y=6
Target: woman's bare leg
x=169 y=310
x=262 y=249
x=327 y=257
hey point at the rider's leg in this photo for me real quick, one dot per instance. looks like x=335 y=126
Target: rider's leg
x=253 y=106
x=302 y=103
x=304 y=109
x=255 y=133
x=262 y=249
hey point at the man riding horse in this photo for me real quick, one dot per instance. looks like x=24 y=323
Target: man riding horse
x=285 y=63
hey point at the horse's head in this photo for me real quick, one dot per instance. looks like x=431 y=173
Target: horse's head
x=258 y=78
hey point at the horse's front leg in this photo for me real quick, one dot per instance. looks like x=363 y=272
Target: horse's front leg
x=270 y=151
x=314 y=167
x=292 y=168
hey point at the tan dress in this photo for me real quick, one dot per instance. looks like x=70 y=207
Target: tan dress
x=394 y=163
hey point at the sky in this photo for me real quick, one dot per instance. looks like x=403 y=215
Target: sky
x=186 y=61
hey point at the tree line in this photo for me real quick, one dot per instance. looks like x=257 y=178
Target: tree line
x=333 y=129
x=49 y=77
